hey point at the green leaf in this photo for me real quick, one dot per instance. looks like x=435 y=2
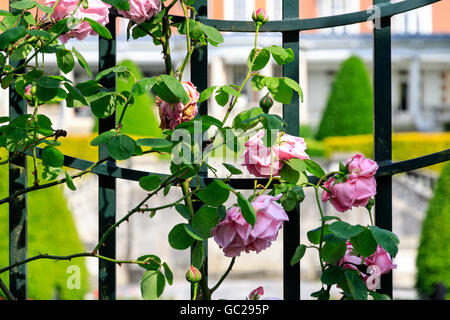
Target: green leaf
x=69 y=182
x=344 y=230
x=171 y=90
x=232 y=169
x=248 y=212
x=168 y=273
x=289 y=175
x=281 y=55
x=97 y=27
x=103 y=138
x=259 y=57
x=104 y=106
x=152 y=284
x=379 y=296
x=194 y=234
x=52 y=157
x=143 y=86
x=222 y=97
x=294 y=85
x=314 y=235
x=364 y=243
x=121 y=147
x=280 y=91
x=333 y=251
x=82 y=61
x=297 y=164
x=314 y=168
x=65 y=60
x=258 y=82
x=198 y=254
x=154 y=262
x=23 y=5
x=213 y=35
x=204 y=220
x=240 y=120
x=386 y=239
x=154 y=143
x=214 y=194
x=179 y=239
x=356 y=285
x=206 y=94
x=150 y=183
x=183 y=210
x=48 y=82
x=332 y=275
x=45 y=9
x=298 y=255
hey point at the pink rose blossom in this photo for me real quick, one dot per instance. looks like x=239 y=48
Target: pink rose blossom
x=141 y=10
x=257 y=157
x=256 y=294
x=378 y=263
x=97 y=11
x=357 y=190
x=172 y=114
x=235 y=235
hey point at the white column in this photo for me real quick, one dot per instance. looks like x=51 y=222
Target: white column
x=414 y=94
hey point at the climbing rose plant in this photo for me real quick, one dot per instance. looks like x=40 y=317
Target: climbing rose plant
x=351 y=257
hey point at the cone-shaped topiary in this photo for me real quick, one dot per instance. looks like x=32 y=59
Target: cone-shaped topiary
x=140 y=118
x=51 y=230
x=349 y=109
x=433 y=256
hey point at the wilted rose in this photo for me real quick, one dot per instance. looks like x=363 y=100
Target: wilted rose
x=234 y=234
x=172 y=114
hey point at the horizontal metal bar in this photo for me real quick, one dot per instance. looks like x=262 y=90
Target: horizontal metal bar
x=109 y=169
x=385 y=10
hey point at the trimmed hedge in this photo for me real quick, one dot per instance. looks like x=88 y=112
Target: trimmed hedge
x=51 y=230
x=433 y=256
x=404 y=145
x=349 y=109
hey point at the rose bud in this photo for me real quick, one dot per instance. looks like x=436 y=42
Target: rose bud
x=193 y=275
x=259 y=16
x=256 y=294
x=266 y=103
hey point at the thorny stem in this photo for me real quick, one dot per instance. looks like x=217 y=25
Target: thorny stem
x=189 y=47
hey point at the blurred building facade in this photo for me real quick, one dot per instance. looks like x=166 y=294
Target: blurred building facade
x=420 y=59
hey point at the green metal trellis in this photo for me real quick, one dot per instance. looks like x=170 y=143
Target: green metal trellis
x=290 y=28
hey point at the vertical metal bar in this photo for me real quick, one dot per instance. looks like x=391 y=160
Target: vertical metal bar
x=107 y=185
x=199 y=77
x=18 y=207
x=383 y=127
x=291 y=113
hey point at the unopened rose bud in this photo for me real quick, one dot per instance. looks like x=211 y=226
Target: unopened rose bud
x=266 y=103
x=256 y=294
x=260 y=16
x=193 y=275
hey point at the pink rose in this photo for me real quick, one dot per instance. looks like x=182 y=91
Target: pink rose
x=235 y=235
x=357 y=190
x=141 y=10
x=256 y=294
x=257 y=157
x=97 y=11
x=172 y=114
x=378 y=263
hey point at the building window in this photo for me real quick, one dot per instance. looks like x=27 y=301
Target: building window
x=418 y=21
x=336 y=7
x=238 y=10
